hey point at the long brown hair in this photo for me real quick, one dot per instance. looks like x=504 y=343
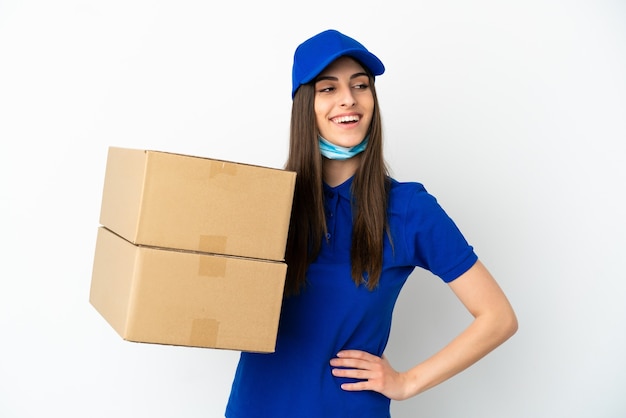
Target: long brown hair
x=370 y=190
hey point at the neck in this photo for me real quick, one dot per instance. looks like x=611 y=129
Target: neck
x=337 y=172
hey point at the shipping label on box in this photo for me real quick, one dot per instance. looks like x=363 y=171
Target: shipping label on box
x=161 y=296
x=199 y=204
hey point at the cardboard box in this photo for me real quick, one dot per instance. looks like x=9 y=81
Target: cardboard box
x=199 y=204
x=155 y=295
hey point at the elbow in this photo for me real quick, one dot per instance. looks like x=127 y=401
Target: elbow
x=508 y=325
x=503 y=325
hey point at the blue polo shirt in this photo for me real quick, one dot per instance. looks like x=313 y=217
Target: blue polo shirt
x=333 y=314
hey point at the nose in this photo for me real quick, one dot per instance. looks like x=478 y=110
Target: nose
x=347 y=98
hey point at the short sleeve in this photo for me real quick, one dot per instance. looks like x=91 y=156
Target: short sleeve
x=433 y=240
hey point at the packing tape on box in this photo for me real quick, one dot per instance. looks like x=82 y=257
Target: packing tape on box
x=204 y=332
x=212 y=266
x=222 y=168
x=213 y=243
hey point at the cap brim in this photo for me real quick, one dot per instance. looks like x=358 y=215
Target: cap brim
x=369 y=60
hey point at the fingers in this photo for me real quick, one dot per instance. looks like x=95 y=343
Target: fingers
x=352 y=373
x=353 y=363
x=356 y=354
x=358 y=365
x=357 y=386
x=371 y=372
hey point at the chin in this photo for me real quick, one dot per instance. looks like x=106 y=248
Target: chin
x=352 y=142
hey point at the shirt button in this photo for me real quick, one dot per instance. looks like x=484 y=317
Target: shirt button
x=328 y=236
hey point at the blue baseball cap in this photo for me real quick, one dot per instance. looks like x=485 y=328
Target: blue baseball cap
x=316 y=53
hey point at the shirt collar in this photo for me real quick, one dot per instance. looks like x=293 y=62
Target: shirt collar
x=344 y=189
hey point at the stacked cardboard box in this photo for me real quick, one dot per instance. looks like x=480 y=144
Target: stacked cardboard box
x=190 y=250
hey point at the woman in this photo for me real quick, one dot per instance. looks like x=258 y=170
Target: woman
x=355 y=236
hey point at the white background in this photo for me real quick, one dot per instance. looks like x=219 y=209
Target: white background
x=513 y=113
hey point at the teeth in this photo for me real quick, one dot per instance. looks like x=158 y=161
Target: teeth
x=343 y=119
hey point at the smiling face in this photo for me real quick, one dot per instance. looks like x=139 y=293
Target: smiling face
x=344 y=103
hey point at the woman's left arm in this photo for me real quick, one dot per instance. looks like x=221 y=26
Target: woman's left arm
x=494 y=322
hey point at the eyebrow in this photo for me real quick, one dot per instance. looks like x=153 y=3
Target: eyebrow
x=332 y=78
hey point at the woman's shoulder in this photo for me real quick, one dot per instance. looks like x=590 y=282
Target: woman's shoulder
x=406 y=189
x=411 y=196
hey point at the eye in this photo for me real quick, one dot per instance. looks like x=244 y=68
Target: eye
x=361 y=83
x=325 y=89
